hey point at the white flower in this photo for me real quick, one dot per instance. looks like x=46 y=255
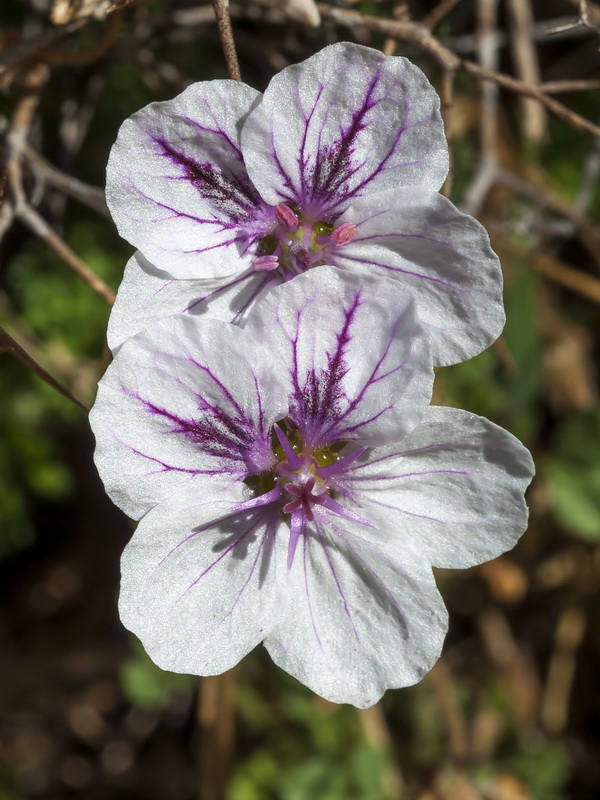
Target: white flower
x=338 y=163
x=294 y=487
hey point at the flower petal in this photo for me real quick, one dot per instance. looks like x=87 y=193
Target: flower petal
x=147 y=294
x=454 y=489
x=345 y=122
x=177 y=185
x=362 y=622
x=201 y=591
x=357 y=363
x=442 y=256
x=183 y=401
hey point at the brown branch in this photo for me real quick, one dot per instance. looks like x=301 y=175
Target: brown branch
x=221 y=8
x=16 y=139
x=9 y=345
x=439 y=12
x=38 y=225
x=216 y=720
x=533 y=116
x=555 y=87
x=419 y=35
x=377 y=734
x=30 y=49
x=487 y=43
x=91 y=196
x=552 y=269
x=81 y=57
x=447 y=102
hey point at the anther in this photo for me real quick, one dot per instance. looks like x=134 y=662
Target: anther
x=286 y=217
x=343 y=234
x=265 y=263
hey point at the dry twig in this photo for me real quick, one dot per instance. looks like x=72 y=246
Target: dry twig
x=418 y=34
x=221 y=8
x=216 y=722
x=9 y=345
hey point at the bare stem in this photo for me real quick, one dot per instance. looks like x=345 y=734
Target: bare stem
x=9 y=345
x=221 y=8
x=216 y=720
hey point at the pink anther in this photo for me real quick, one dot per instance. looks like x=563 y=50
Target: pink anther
x=265 y=263
x=343 y=234
x=286 y=217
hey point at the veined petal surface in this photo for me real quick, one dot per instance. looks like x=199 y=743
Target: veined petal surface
x=453 y=489
x=352 y=353
x=182 y=403
x=177 y=185
x=355 y=122
x=362 y=622
x=441 y=255
x=147 y=294
x=199 y=583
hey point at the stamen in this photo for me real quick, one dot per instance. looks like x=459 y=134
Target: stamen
x=342 y=464
x=293 y=459
x=328 y=502
x=262 y=500
x=286 y=217
x=265 y=263
x=343 y=234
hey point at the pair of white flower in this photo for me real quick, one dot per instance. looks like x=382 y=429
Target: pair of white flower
x=293 y=484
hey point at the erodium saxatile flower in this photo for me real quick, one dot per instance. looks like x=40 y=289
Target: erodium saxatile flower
x=227 y=193
x=294 y=487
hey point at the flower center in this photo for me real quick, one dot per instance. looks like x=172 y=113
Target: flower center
x=299 y=243
x=300 y=481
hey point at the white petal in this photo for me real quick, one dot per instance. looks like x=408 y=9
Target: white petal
x=362 y=622
x=454 y=489
x=346 y=122
x=147 y=294
x=182 y=401
x=442 y=256
x=358 y=365
x=177 y=185
x=200 y=593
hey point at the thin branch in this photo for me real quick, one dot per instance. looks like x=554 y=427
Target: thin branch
x=555 y=87
x=91 y=196
x=419 y=35
x=221 y=8
x=552 y=269
x=533 y=115
x=447 y=98
x=38 y=225
x=481 y=183
x=439 y=13
x=30 y=48
x=9 y=345
x=216 y=720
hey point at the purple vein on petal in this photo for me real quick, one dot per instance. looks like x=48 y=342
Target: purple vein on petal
x=268 y=534
x=371 y=380
x=376 y=478
x=430 y=278
x=235 y=195
x=170 y=468
x=307 y=590
x=238 y=540
x=424 y=449
x=218 y=434
x=325 y=547
x=375 y=577
x=318 y=399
